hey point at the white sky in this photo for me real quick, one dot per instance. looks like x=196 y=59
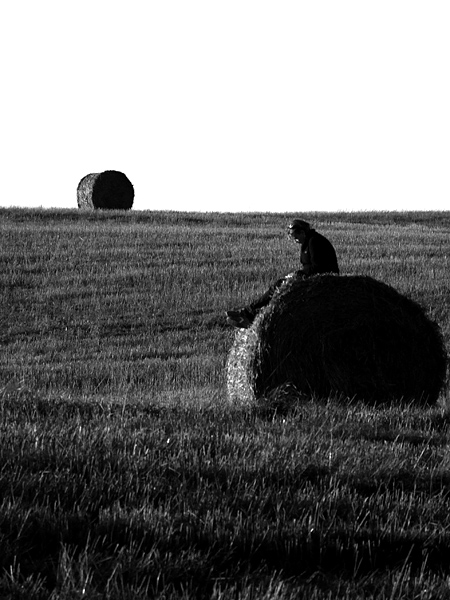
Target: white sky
x=228 y=105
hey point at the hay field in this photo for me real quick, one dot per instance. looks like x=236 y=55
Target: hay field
x=123 y=472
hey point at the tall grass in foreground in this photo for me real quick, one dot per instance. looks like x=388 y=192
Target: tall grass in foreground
x=134 y=501
x=123 y=473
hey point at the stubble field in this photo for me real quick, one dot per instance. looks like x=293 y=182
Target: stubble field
x=125 y=473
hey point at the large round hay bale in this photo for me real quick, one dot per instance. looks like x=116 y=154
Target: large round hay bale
x=107 y=190
x=330 y=336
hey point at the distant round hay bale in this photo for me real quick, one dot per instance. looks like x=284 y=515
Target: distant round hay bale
x=348 y=336
x=107 y=190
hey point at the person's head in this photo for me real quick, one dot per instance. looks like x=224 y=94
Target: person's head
x=298 y=230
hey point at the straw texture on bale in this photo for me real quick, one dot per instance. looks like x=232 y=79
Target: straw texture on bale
x=107 y=190
x=347 y=336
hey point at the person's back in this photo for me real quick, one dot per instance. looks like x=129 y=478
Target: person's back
x=318 y=254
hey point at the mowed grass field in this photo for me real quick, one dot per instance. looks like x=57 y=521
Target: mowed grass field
x=124 y=472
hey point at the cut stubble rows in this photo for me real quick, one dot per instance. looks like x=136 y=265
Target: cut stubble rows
x=125 y=473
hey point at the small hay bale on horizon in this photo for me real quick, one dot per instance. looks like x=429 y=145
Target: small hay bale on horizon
x=107 y=190
x=338 y=336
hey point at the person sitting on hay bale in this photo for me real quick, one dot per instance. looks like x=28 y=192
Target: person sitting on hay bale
x=317 y=255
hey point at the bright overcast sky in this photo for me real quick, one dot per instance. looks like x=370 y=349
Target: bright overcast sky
x=228 y=105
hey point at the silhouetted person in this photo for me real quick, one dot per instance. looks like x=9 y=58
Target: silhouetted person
x=317 y=255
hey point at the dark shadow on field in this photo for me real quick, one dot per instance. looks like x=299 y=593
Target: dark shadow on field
x=413 y=438
x=205 y=558
x=400 y=481
x=344 y=555
x=19 y=403
x=197 y=320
